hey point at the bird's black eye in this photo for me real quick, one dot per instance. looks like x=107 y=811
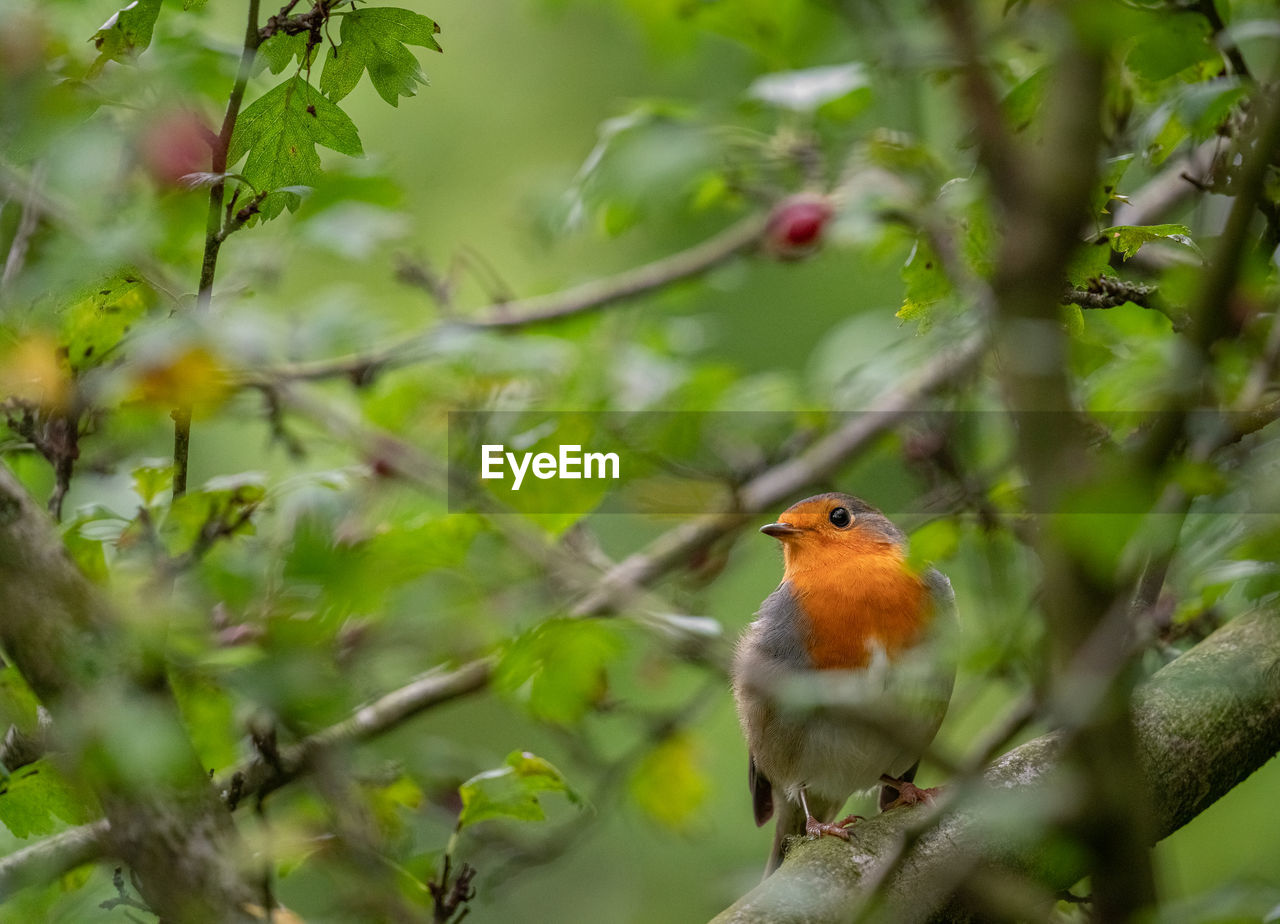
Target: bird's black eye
x=840 y=518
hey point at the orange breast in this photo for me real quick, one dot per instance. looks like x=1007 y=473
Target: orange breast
x=855 y=603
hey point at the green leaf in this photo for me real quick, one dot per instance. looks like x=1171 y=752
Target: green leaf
x=18 y=705
x=1171 y=45
x=1112 y=172
x=1129 y=239
x=194 y=4
x=220 y=502
x=151 y=479
x=87 y=536
x=126 y=34
x=1023 y=102
x=36 y=801
x=1203 y=107
x=558 y=668
x=1163 y=133
x=375 y=40
x=934 y=542
x=926 y=285
x=511 y=791
x=97 y=321
x=1072 y=319
x=1089 y=261
x=282 y=49
x=279 y=133
x=209 y=714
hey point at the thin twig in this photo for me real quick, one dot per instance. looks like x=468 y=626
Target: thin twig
x=28 y=222
x=215 y=234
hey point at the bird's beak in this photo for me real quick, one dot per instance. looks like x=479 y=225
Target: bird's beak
x=780 y=530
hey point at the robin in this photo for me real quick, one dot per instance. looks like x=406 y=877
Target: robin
x=839 y=680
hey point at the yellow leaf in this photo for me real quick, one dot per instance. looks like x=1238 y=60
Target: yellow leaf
x=33 y=372
x=670 y=784
x=193 y=376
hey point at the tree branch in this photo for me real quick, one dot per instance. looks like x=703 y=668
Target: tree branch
x=527 y=312
x=772 y=486
x=258 y=777
x=63 y=852
x=1203 y=724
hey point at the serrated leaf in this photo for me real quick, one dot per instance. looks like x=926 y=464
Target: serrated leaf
x=511 y=791
x=126 y=34
x=279 y=133
x=36 y=801
x=1129 y=239
x=375 y=40
x=558 y=668
x=282 y=49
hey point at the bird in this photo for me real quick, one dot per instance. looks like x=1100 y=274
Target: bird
x=842 y=680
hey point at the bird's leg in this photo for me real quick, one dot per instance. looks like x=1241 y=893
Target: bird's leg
x=815 y=828
x=908 y=792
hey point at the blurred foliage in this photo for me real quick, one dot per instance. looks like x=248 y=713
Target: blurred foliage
x=322 y=557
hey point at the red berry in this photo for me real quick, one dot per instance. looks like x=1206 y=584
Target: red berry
x=173 y=144
x=796 y=225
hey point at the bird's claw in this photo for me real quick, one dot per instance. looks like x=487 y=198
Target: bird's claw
x=815 y=828
x=911 y=794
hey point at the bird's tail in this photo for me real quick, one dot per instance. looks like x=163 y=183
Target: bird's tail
x=790 y=822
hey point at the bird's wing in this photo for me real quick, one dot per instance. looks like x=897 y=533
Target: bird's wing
x=790 y=823
x=761 y=793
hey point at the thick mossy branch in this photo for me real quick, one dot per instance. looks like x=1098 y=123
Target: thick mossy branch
x=165 y=821
x=1202 y=724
